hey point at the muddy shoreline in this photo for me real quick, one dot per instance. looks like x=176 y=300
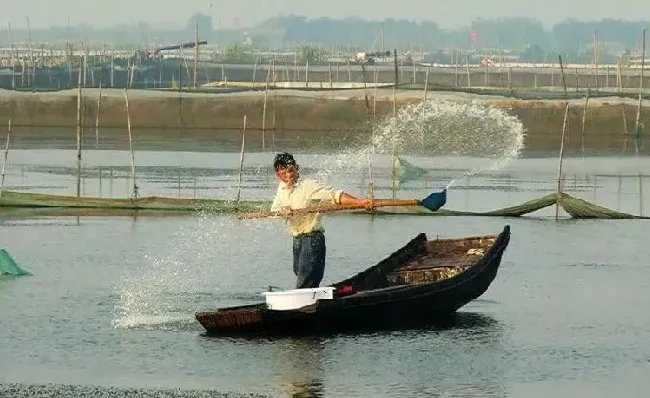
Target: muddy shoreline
x=319 y=120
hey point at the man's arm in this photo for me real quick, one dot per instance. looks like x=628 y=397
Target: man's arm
x=323 y=192
x=347 y=199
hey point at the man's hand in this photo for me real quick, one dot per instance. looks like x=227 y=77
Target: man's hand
x=347 y=199
x=368 y=204
x=286 y=211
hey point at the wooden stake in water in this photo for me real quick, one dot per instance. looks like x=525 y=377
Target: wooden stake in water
x=626 y=133
x=559 y=171
x=31 y=74
x=128 y=127
x=638 y=126
x=562 y=73
x=424 y=100
x=99 y=105
x=241 y=159
x=640 y=194
x=4 y=163
x=79 y=130
x=266 y=91
x=13 y=58
x=195 y=72
x=584 y=122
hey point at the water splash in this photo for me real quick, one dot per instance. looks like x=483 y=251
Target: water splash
x=200 y=266
x=482 y=137
x=441 y=128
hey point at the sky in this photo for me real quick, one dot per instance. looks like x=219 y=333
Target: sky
x=448 y=14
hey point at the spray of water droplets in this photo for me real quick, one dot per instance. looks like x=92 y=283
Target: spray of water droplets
x=191 y=271
x=486 y=135
x=448 y=128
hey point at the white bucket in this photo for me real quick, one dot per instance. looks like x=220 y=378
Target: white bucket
x=297 y=298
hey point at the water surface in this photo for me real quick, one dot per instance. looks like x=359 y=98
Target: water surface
x=112 y=299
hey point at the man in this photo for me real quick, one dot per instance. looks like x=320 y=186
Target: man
x=306 y=229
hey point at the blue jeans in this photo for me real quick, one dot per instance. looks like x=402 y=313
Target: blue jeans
x=309 y=259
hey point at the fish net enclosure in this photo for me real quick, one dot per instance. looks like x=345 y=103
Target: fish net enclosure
x=575 y=207
x=530 y=93
x=24 y=199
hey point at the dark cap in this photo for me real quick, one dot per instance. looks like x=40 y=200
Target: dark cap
x=283 y=159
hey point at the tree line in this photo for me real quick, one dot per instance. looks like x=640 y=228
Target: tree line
x=525 y=35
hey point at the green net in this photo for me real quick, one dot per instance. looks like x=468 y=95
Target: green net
x=24 y=199
x=575 y=207
x=580 y=208
x=9 y=267
x=407 y=171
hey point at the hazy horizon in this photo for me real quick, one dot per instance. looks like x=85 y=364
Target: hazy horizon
x=42 y=14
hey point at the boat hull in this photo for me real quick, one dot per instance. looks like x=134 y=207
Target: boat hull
x=385 y=308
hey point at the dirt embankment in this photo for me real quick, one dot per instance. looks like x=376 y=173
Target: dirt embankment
x=317 y=118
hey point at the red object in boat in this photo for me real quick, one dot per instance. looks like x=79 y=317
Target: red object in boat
x=345 y=291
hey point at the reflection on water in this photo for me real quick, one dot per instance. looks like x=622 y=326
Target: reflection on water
x=300 y=368
x=460 y=356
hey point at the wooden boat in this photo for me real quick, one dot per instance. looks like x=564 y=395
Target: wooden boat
x=423 y=281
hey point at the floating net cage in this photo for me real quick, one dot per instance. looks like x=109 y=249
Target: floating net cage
x=11 y=200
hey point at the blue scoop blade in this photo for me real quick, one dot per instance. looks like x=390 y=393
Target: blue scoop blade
x=435 y=200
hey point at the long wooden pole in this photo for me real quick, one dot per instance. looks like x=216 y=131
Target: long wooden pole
x=424 y=101
x=99 y=105
x=13 y=58
x=31 y=56
x=4 y=163
x=562 y=73
x=79 y=128
x=128 y=127
x=333 y=208
x=559 y=171
x=626 y=133
x=393 y=153
x=264 y=106
x=196 y=54
x=241 y=160
x=584 y=123
x=637 y=128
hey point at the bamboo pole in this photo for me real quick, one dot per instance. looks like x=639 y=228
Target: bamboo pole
x=4 y=163
x=13 y=58
x=626 y=132
x=562 y=73
x=255 y=71
x=79 y=128
x=640 y=194
x=112 y=68
x=329 y=67
x=638 y=126
x=241 y=160
x=128 y=126
x=424 y=101
x=584 y=122
x=31 y=56
x=393 y=153
x=595 y=54
x=266 y=90
x=374 y=99
x=559 y=171
x=469 y=77
x=196 y=55
x=99 y=105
